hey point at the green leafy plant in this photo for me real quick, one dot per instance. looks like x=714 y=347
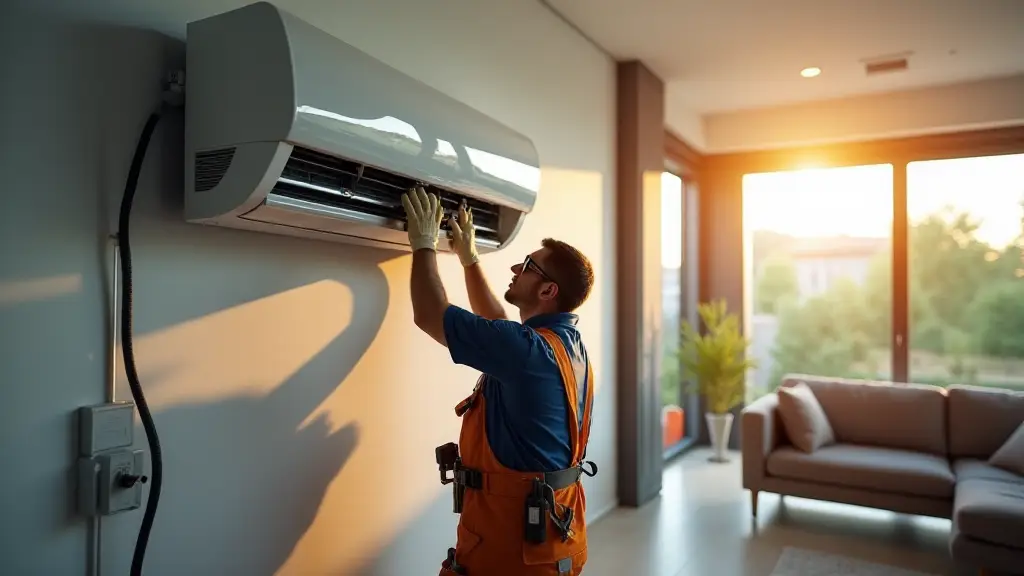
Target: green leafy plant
x=716 y=361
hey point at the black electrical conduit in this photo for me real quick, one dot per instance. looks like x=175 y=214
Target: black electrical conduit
x=125 y=250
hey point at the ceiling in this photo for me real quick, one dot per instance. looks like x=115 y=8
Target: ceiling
x=727 y=55
x=732 y=67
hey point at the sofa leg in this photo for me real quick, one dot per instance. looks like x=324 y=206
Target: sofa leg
x=753 y=502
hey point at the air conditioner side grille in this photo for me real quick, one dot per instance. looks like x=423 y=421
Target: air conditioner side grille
x=211 y=165
x=312 y=176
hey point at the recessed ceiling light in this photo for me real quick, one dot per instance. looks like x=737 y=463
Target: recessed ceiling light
x=810 y=72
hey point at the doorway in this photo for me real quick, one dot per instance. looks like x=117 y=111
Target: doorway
x=680 y=405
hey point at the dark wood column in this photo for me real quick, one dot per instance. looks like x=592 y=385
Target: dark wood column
x=641 y=160
x=900 y=276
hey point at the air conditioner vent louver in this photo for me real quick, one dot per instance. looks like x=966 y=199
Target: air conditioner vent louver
x=211 y=165
x=312 y=176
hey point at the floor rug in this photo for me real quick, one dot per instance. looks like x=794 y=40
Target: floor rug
x=801 y=562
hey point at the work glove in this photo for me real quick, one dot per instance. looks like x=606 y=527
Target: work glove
x=423 y=212
x=463 y=240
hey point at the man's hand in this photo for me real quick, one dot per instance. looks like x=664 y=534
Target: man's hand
x=463 y=240
x=424 y=214
x=463 y=243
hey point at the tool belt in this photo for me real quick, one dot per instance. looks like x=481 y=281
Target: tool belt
x=539 y=502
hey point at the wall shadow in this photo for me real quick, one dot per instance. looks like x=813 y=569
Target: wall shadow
x=244 y=478
x=422 y=544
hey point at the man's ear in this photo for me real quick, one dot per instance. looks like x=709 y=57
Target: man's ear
x=550 y=291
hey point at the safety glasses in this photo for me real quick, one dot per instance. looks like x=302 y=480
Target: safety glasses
x=529 y=264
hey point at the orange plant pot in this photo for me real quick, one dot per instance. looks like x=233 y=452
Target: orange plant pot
x=673 y=420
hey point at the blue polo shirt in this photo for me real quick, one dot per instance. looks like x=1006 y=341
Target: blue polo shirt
x=527 y=409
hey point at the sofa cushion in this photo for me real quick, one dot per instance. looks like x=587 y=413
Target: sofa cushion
x=805 y=422
x=975 y=469
x=969 y=551
x=867 y=467
x=981 y=419
x=991 y=511
x=1010 y=456
x=903 y=416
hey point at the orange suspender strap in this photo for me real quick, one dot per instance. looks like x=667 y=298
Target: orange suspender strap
x=462 y=407
x=587 y=412
x=577 y=437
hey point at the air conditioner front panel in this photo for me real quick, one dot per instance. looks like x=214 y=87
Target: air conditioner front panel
x=333 y=221
x=350 y=105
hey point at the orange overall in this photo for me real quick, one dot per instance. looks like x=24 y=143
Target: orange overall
x=491 y=532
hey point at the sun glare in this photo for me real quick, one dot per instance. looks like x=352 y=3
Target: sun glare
x=854 y=201
x=857 y=201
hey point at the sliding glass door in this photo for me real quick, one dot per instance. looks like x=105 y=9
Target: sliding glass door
x=965 y=271
x=818 y=273
x=679 y=407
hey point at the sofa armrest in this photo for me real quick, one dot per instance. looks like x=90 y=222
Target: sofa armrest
x=759 y=438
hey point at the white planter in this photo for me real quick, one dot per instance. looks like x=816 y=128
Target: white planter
x=719 y=427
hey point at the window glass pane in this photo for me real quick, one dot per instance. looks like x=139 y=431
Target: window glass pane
x=673 y=413
x=966 y=276
x=818 y=278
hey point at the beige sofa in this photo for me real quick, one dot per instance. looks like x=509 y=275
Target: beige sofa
x=908 y=448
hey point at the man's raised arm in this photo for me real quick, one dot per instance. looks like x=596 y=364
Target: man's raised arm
x=481 y=298
x=429 y=301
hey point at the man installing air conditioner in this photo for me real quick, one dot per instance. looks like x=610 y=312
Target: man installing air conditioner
x=517 y=467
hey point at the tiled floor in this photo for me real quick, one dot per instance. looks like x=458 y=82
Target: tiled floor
x=701 y=526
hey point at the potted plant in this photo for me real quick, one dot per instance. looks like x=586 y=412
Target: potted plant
x=716 y=363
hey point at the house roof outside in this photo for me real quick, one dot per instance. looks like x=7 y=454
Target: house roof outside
x=837 y=247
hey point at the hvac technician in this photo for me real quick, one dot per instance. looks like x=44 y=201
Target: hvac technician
x=517 y=466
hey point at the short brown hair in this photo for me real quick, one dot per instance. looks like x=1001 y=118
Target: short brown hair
x=571 y=271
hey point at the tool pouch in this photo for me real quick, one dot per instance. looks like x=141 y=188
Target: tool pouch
x=536 y=514
x=458 y=493
x=464 y=478
x=450 y=566
x=448 y=460
x=446 y=455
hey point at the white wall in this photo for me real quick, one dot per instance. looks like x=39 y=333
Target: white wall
x=297 y=405
x=683 y=122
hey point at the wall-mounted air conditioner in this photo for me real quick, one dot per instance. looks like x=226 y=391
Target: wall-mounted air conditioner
x=291 y=131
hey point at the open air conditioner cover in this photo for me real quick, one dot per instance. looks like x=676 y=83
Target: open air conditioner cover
x=290 y=130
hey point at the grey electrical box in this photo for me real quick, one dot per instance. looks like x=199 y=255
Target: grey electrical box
x=111 y=483
x=106 y=427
